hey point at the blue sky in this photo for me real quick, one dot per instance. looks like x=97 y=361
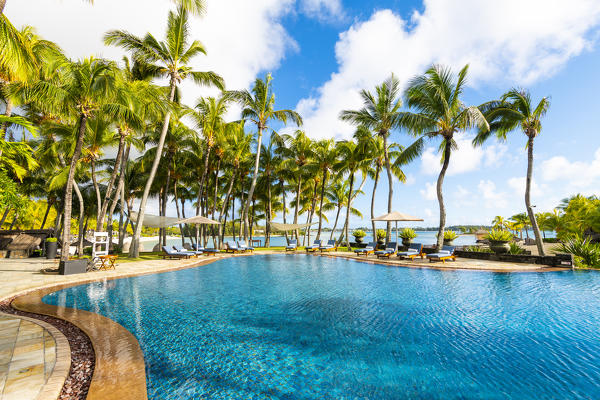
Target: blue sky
x=321 y=52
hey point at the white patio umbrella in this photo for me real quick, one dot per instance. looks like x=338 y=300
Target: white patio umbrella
x=396 y=216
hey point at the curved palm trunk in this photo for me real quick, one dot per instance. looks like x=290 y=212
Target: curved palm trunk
x=68 y=198
x=253 y=184
x=178 y=213
x=269 y=213
x=48 y=207
x=96 y=187
x=337 y=216
x=297 y=206
x=122 y=220
x=390 y=184
x=164 y=203
x=224 y=207
x=534 y=224
x=81 y=219
x=134 y=251
x=3 y=219
x=214 y=205
x=312 y=209
x=201 y=189
x=282 y=184
x=348 y=209
x=440 y=196
x=373 y=202
x=111 y=183
x=321 y=204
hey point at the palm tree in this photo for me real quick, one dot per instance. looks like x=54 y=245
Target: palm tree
x=167 y=59
x=521 y=222
x=440 y=113
x=325 y=157
x=499 y=222
x=259 y=107
x=337 y=194
x=354 y=156
x=380 y=114
x=515 y=110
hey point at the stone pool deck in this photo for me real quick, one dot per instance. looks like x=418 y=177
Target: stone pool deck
x=35 y=356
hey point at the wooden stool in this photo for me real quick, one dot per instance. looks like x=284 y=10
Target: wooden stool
x=107 y=262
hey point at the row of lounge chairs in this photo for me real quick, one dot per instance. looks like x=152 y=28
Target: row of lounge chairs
x=237 y=247
x=414 y=250
x=317 y=245
x=178 y=252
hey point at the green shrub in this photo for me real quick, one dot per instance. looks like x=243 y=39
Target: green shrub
x=51 y=239
x=479 y=249
x=450 y=235
x=381 y=234
x=408 y=233
x=516 y=249
x=359 y=233
x=550 y=240
x=499 y=235
x=586 y=254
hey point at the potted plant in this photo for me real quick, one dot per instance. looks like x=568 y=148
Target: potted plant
x=449 y=237
x=407 y=235
x=499 y=240
x=359 y=234
x=51 y=247
x=381 y=234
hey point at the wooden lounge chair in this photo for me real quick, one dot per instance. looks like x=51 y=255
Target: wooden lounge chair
x=370 y=249
x=330 y=246
x=414 y=250
x=292 y=245
x=390 y=250
x=314 y=247
x=447 y=253
x=172 y=254
x=232 y=247
x=181 y=249
x=244 y=248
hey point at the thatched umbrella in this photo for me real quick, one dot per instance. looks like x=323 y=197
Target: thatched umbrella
x=396 y=216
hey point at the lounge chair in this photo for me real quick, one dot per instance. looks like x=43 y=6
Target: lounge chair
x=370 y=249
x=243 y=247
x=447 y=253
x=292 y=245
x=414 y=250
x=232 y=247
x=181 y=249
x=314 y=247
x=330 y=246
x=167 y=253
x=205 y=251
x=390 y=250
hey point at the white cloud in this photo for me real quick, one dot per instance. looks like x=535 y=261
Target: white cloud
x=323 y=10
x=574 y=175
x=492 y=198
x=430 y=192
x=242 y=38
x=514 y=40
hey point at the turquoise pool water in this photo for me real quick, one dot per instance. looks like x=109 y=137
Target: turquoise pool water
x=305 y=327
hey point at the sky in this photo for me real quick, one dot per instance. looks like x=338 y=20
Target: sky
x=322 y=52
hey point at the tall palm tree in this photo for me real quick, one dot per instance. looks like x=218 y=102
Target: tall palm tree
x=521 y=222
x=259 y=107
x=499 y=222
x=168 y=59
x=325 y=156
x=380 y=114
x=439 y=113
x=354 y=156
x=516 y=110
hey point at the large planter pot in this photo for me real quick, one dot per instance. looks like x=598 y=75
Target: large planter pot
x=358 y=239
x=499 y=246
x=380 y=242
x=72 y=267
x=51 y=248
x=448 y=242
x=407 y=242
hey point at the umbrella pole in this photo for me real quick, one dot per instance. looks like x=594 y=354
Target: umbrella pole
x=396 y=233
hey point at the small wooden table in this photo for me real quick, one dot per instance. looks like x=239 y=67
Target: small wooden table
x=107 y=262
x=256 y=243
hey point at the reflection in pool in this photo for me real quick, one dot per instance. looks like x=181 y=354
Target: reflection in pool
x=304 y=327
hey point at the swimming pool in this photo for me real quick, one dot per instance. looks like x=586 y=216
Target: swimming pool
x=309 y=327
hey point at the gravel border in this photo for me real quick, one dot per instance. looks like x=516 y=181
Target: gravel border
x=83 y=358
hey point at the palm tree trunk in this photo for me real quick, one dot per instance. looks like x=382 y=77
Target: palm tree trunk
x=6 y=211
x=201 y=189
x=377 y=172
x=165 y=201
x=269 y=213
x=81 y=219
x=122 y=219
x=534 y=224
x=134 y=251
x=178 y=213
x=253 y=184
x=111 y=182
x=97 y=190
x=225 y=205
x=2 y=3
x=68 y=198
x=440 y=196
x=388 y=167
x=312 y=209
x=7 y=113
x=14 y=221
x=349 y=207
x=298 y=187
x=337 y=215
x=214 y=207
x=48 y=207
x=321 y=203
x=282 y=184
